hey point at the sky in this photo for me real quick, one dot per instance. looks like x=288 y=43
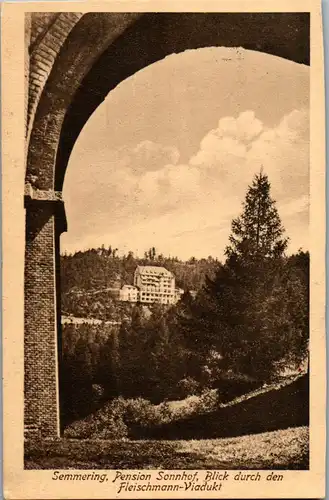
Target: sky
x=166 y=159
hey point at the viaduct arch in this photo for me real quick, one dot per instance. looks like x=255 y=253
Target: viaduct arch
x=73 y=61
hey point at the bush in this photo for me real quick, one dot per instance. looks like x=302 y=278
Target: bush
x=119 y=419
x=187 y=387
x=106 y=423
x=81 y=429
x=138 y=411
x=208 y=401
x=122 y=418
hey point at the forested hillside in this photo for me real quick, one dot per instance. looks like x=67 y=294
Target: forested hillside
x=86 y=277
x=136 y=359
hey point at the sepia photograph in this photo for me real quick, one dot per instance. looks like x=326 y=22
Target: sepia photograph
x=168 y=248
x=176 y=334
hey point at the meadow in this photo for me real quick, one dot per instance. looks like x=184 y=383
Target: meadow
x=282 y=449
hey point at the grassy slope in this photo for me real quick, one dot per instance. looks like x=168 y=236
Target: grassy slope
x=284 y=449
x=280 y=406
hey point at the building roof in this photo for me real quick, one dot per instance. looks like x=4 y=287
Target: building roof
x=153 y=270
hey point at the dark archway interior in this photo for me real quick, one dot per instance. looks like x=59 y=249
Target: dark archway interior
x=155 y=35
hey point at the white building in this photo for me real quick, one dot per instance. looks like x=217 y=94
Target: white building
x=129 y=293
x=155 y=284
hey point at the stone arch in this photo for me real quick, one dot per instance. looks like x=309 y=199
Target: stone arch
x=45 y=34
x=92 y=54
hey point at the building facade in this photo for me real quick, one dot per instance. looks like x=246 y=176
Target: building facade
x=129 y=293
x=155 y=285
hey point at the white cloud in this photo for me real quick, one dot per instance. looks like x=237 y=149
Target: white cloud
x=283 y=152
x=232 y=155
x=150 y=156
x=216 y=177
x=172 y=185
x=244 y=128
x=230 y=139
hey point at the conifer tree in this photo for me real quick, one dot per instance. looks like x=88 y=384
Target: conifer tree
x=230 y=316
x=258 y=232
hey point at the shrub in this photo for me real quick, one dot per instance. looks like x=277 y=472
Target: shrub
x=164 y=413
x=81 y=429
x=118 y=419
x=106 y=423
x=114 y=429
x=188 y=386
x=138 y=411
x=122 y=418
x=208 y=401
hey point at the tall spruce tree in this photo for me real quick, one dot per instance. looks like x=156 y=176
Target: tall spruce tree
x=258 y=232
x=232 y=316
x=249 y=280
